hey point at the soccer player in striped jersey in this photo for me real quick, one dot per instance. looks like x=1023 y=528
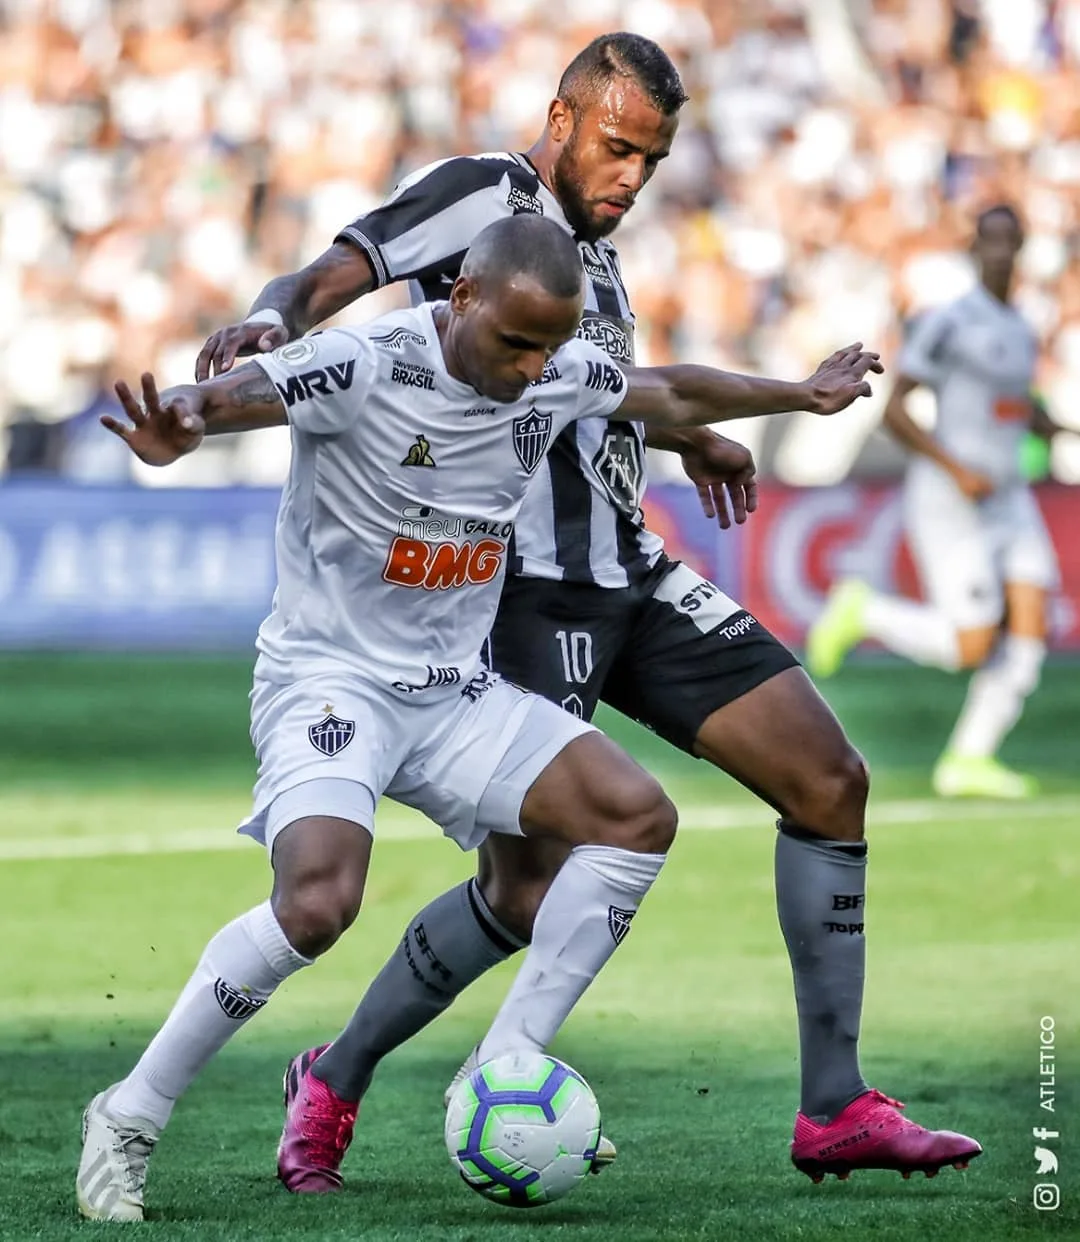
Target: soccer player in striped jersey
x=593 y=610
x=974 y=528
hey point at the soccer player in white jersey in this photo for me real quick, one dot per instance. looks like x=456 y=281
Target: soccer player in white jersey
x=593 y=609
x=974 y=528
x=414 y=440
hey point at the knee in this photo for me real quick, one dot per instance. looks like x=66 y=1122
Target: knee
x=637 y=816
x=833 y=802
x=316 y=908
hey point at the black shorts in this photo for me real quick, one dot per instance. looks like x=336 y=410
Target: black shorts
x=667 y=652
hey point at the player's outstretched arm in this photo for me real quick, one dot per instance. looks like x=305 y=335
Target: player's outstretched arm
x=167 y=426
x=684 y=396
x=916 y=439
x=292 y=306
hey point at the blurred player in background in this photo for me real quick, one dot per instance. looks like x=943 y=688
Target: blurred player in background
x=974 y=528
x=594 y=610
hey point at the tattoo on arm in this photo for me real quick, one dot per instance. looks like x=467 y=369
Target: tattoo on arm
x=241 y=400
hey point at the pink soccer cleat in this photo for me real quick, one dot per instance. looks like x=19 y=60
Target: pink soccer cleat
x=318 y=1129
x=871 y=1133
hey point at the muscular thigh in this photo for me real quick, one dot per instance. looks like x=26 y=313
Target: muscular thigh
x=692 y=651
x=559 y=639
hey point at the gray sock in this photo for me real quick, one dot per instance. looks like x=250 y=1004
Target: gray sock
x=820 y=893
x=451 y=942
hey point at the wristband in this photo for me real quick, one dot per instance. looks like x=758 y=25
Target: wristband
x=269 y=315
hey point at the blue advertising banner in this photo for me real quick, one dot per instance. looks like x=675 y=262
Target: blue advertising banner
x=134 y=568
x=190 y=569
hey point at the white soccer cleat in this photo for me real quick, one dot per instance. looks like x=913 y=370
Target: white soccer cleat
x=467 y=1066
x=605 y=1148
x=112 y=1171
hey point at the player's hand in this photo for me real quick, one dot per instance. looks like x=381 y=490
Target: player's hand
x=974 y=485
x=162 y=429
x=841 y=379
x=724 y=474
x=224 y=346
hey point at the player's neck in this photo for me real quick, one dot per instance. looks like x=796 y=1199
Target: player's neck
x=541 y=155
x=442 y=318
x=999 y=289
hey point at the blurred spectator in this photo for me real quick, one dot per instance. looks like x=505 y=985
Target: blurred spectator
x=161 y=159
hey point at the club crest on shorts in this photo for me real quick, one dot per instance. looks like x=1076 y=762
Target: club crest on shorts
x=531 y=434
x=331 y=735
x=618 y=922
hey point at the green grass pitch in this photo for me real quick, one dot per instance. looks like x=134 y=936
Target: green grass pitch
x=121 y=782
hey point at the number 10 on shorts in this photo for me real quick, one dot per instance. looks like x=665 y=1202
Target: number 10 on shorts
x=577 y=655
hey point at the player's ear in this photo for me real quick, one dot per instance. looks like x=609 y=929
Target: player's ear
x=462 y=295
x=560 y=120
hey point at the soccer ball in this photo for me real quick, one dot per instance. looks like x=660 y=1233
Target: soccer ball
x=522 y=1129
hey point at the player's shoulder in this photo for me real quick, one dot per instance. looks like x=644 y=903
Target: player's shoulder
x=583 y=364
x=399 y=331
x=471 y=173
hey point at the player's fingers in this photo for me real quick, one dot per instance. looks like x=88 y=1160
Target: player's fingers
x=720 y=504
x=705 y=496
x=132 y=408
x=737 y=492
x=206 y=356
x=226 y=355
x=272 y=339
x=751 y=496
x=151 y=400
x=117 y=428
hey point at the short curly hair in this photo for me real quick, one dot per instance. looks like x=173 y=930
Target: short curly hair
x=622 y=55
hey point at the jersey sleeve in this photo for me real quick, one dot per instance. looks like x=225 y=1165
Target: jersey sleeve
x=601 y=384
x=430 y=219
x=924 y=354
x=323 y=380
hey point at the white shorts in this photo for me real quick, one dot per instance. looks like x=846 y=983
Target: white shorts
x=333 y=745
x=966 y=551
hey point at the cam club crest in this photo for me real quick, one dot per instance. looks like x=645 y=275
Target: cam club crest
x=532 y=431
x=332 y=734
x=618 y=922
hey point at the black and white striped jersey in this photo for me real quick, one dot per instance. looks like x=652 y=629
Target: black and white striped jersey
x=582 y=519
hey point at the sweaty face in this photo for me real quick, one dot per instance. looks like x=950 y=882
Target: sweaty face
x=611 y=149
x=997 y=245
x=504 y=335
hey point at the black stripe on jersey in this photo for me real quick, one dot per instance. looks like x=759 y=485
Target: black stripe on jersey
x=571 y=502
x=436 y=281
x=419 y=202
x=627 y=539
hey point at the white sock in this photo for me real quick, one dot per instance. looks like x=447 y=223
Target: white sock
x=995 y=697
x=585 y=914
x=916 y=631
x=239 y=969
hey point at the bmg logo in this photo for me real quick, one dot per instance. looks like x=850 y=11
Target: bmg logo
x=1046 y=1196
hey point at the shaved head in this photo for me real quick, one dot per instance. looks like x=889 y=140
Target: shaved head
x=526 y=245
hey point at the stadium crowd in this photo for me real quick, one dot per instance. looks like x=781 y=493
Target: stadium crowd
x=160 y=160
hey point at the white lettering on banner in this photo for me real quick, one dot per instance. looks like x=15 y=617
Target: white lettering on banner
x=153 y=566
x=868 y=554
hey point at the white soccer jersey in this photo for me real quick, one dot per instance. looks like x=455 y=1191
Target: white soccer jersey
x=394 y=523
x=979 y=357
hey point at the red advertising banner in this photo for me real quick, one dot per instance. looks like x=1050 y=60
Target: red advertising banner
x=801 y=540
